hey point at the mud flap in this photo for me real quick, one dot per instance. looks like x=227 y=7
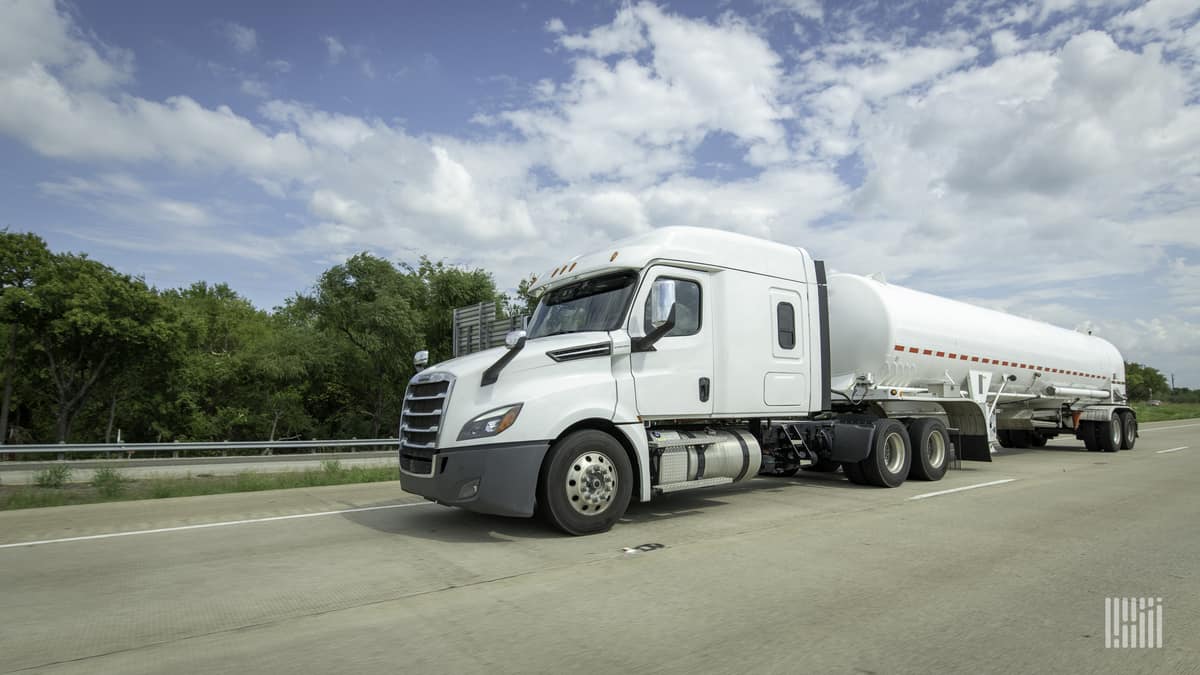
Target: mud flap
x=973 y=447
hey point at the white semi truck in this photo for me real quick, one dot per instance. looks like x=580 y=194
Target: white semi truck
x=688 y=357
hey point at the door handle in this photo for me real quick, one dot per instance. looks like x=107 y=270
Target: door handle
x=704 y=389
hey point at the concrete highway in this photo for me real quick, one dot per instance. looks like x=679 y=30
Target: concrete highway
x=810 y=574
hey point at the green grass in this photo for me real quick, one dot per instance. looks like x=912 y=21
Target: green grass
x=1166 y=411
x=108 y=485
x=53 y=477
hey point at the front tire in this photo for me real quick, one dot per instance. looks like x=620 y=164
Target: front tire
x=891 y=458
x=587 y=483
x=931 y=449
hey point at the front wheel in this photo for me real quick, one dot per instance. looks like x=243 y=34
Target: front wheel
x=587 y=483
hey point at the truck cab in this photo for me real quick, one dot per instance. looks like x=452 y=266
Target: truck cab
x=633 y=348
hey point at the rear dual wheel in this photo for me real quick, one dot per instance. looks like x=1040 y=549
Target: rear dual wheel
x=931 y=449
x=1104 y=436
x=1129 y=432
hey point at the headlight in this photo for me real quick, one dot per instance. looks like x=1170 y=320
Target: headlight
x=490 y=423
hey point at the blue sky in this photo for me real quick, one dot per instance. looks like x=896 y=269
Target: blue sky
x=1040 y=157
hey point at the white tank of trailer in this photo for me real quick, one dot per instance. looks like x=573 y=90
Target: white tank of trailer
x=906 y=338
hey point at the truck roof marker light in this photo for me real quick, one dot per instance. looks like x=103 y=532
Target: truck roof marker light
x=614 y=256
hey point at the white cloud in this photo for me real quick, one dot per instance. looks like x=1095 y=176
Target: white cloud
x=1157 y=16
x=127 y=198
x=334 y=47
x=1005 y=42
x=808 y=9
x=242 y=38
x=253 y=87
x=555 y=25
x=33 y=35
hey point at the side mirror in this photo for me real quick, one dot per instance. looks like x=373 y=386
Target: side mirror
x=421 y=360
x=513 y=337
x=646 y=343
x=662 y=301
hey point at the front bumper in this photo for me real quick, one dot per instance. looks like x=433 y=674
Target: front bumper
x=498 y=478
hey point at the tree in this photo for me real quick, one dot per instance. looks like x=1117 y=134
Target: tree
x=1142 y=381
x=374 y=307
x=446 y=288
x=524 y=302
x=21 y=258
x=86 y=320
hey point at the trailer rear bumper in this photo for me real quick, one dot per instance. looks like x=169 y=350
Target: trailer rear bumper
x=499 y=478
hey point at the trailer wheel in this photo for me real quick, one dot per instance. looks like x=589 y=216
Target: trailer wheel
x=854 y=472
x=1128 y=430
x=587 y=483
x=1087 y=432
x=1005 y=438
x=931 y=449
x=890 y=459
x=1037 y=440
x=1108 y=434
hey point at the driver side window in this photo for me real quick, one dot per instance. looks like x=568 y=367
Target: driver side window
x=686 y=296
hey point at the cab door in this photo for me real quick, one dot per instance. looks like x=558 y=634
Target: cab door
x=675 y=377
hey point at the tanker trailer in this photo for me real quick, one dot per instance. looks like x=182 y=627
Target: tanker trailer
x=687 y=357
x=1039 y=380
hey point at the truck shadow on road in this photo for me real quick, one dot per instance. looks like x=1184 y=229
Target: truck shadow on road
x=453 y=525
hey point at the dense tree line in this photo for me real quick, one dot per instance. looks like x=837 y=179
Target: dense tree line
x=88 y=351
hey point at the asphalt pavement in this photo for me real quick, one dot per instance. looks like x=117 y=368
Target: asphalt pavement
x=1000 y=567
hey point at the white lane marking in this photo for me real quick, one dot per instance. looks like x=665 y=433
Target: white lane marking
x=1161 y=452
x=1143 y=430
x=960 y=489
x=201 y=526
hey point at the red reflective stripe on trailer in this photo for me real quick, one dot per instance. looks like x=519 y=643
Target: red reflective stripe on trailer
x=975 y=358
x=953 y=355
x=927 y=352
x=963 y=357
x=913 y=350
x=1005 y=363
x=941 y=353
x=899 y=348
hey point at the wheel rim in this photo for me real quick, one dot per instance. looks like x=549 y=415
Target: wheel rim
x=591 y=483
x=893 y=454
x=1130 y=432
x=1114 y=431
x=935 y=449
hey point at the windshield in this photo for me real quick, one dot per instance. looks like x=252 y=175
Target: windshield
x=591 y=304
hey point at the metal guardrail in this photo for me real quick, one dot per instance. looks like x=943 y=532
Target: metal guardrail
x=60 y=448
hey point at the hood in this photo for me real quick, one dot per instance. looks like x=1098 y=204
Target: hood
x=533 y=356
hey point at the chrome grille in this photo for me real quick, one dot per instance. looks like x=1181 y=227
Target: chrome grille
x=424 y=404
